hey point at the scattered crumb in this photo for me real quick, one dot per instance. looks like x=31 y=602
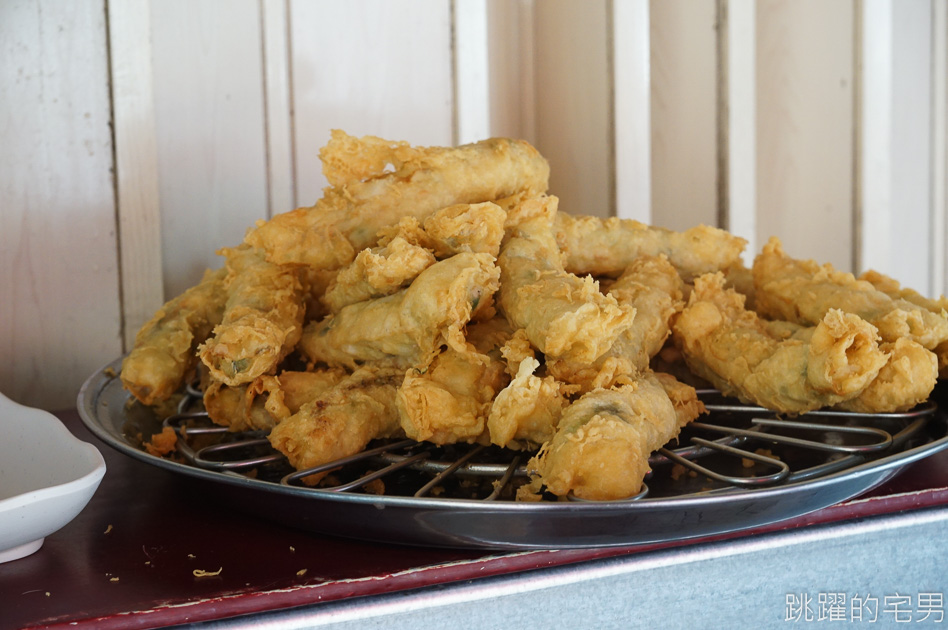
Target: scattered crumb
x=766 y=452
x=292 y=549
x=199 y=573
x=108 y=529
x=114 y=579
x=301 y=572
x=191 y=556
x=110 y=372
x=376 y=487
x=162 y=443
x=47 y=593
x=678 y=470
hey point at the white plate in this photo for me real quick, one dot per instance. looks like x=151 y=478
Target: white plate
x=47 y=477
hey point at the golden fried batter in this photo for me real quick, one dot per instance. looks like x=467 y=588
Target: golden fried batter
x=350 y=214
x=604 y=247
x=262 y=321
x=407 y=328
x=802 y=291
x=654 y=289
x=564 y=316
x=340 y=422
x=727 y=345
x=163 y=354
x=267 y=400
x=601 y=446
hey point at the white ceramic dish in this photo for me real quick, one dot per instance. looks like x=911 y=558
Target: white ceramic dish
x=47 y=477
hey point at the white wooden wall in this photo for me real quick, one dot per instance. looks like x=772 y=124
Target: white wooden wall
x=137 y=136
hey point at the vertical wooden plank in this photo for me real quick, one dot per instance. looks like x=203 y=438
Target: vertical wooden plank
x=633 y=120
x=684 y=113
x=60 y=309
x=896 y=138
x=741 y=122
x=805 y=126
x=279 y=124
x=939 y=147
x=574 y=103
x=511 y=63
x=136 y=166
x=377 y=67
x=210 y=123
x=471 y=71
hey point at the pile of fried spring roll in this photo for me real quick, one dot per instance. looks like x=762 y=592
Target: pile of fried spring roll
x=440 y=293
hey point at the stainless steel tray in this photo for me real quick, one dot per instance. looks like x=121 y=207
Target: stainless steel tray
x=107 y=411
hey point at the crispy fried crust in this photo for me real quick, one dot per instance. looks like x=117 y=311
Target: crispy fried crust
x=163 y=354
x=407 y=328
x=802 y=291
x=564 y=316
x=601 y=446
x=729 y=346
x=340 y=422
x=366 y=198
x=262 y=322
x=605 y=247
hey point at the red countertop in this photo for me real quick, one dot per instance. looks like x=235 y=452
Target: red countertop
x=129 y=559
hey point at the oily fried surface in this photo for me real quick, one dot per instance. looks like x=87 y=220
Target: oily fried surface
x=602 y=442
x=163 y=355
x=564 y=316
x=262 y=320
x=341 y=421
x=802 y=291
x=440 y=293
x=350 y=214
x=729 y=346
x=407 y=328
x=607 y=246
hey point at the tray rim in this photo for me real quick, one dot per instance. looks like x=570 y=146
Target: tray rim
x=99 y=380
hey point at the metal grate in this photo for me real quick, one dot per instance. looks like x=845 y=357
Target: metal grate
x=735 y=448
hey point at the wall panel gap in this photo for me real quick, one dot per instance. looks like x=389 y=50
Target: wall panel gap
x=136 y=165
x=274 y=16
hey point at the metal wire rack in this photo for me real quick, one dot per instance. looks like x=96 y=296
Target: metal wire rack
x=735 y=448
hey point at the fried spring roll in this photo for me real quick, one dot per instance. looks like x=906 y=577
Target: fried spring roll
x=477 y=228
x=802 y=291
x=376 y=273
x=348 y=217
x=448 y=402
x=268 y=399
x=654 y=289
x=524 y=414
x=340 y=422
x=406 y=329
x=893 y=289
x=603 y=440
x=605 y=247
x=564 y=316
x=730 y=347
x=262 y=321
x=907 y=378
x=164 y=351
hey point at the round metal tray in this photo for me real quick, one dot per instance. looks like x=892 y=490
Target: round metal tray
x=107 y=411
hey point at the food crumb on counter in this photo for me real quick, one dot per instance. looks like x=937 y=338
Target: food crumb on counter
x=199 y=573
x=301 y=572
x=108 y=529
x=292 y=549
